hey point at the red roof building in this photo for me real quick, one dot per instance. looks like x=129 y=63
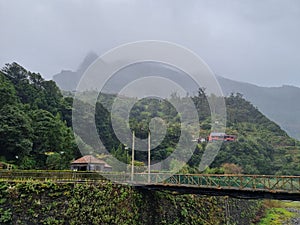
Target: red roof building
x=90 y=163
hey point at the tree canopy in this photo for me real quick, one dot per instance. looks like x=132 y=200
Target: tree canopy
x=33 y=120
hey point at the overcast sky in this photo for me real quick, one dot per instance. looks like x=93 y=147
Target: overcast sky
x=256 y=41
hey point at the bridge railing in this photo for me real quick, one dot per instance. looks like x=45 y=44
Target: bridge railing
x=224 y=181
x=269 y=183
x=19 y=175
x=241 y=182
x=61 y=176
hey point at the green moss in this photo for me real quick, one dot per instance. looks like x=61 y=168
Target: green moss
x=276 y=212
x=5 y=215
x=108 y=203
x=276 y=216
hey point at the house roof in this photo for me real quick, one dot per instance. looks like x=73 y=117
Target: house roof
x=217 y=134
x=89 y=159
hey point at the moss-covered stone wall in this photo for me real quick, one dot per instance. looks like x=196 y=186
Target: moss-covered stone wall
x=106 y=203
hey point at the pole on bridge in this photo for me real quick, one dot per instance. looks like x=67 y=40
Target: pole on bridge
x=132 y=156
x=149 y=157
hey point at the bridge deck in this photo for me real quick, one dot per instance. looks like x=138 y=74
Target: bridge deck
x=238 y=185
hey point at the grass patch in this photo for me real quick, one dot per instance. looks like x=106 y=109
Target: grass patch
x=276 y=216
x=277 y=213
x=291 y=204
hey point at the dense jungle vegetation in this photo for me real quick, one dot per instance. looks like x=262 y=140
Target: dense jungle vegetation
x=36 y=129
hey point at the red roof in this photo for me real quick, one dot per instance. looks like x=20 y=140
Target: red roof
x=89 y=159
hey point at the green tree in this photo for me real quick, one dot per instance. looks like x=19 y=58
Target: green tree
x=51 y=135
x=54 y=161
x=7 y=92
x=15 y=133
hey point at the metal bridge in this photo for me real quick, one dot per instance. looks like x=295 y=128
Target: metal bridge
x=237 y=185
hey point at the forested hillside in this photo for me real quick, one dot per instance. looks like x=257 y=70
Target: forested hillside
x=35 y=129
x=34 y=120
x=281 y=104
x=262 y=146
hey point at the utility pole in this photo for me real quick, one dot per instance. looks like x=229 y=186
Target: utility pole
x=132 y=156
x=126 y=152
x=149 y=157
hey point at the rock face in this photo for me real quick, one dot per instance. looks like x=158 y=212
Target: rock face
x=107 y=203
x=68 y=80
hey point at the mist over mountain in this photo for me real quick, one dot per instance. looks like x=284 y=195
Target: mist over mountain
x=280 y=104
x=68 y=80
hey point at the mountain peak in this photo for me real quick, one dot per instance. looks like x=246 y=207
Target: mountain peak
x=87 y=61
x=68 y=79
